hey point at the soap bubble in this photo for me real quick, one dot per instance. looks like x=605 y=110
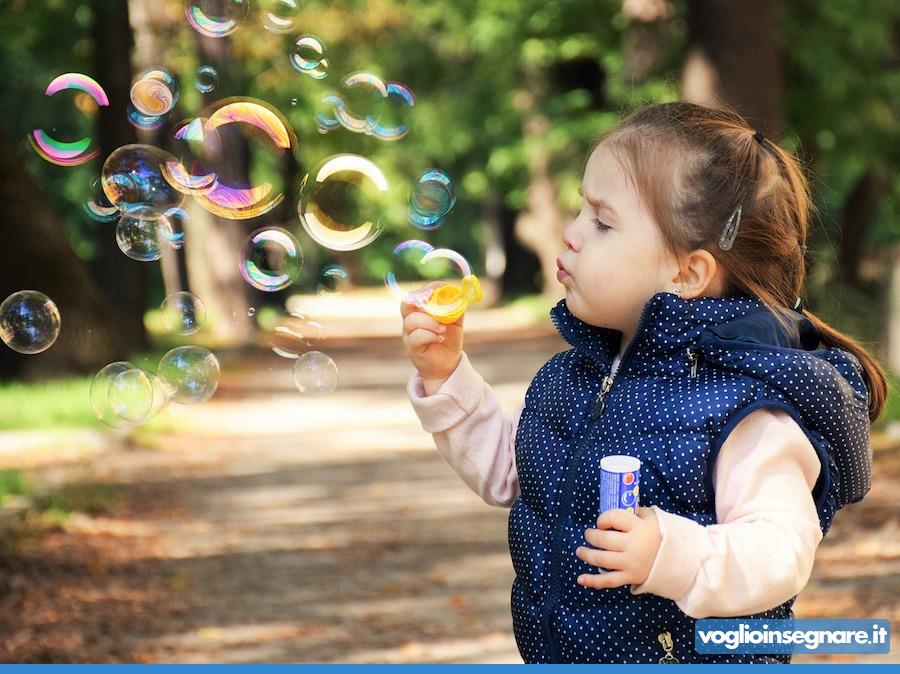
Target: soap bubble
x=251 y=312
x=417 y=261
x=271 y=259
x=206 y=80
x=183 y=313
x=139 y=120
x=191 y=146
x=79 y=151
x=154 y=92
x=360 y=97
x=216 y=18
x=231 y=125
x=295 y=334
x=341 y=202
x=130 y=395
x=29 y=322
x=139 y=237
x=98 y=207
x=333 y=281
x=279 y=16
x=133 y=181
x=389 y=122
x=431 y=199
x=315 y=373
x=190 y=374
x=174 y=233
x=307 y=57
x=99 y=394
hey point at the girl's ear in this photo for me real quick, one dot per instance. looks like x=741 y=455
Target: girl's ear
x=699 y=275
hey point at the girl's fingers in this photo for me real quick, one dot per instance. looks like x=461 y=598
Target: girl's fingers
x=608 y=539
x=603 y=581
x=420 y=338
x=601 y=558
x=420 y=320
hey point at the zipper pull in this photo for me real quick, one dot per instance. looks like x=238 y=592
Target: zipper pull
x=665 y=640
x=600 y=403
x=694 y=360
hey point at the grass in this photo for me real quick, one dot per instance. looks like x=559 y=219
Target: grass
x=12 y=483
x=62 y=403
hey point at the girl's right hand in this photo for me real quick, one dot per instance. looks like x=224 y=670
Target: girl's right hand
x=433 y=348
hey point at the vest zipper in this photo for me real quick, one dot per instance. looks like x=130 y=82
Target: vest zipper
x=600 y=401
x=694 y=360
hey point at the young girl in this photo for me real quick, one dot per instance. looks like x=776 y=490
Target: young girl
x=690 y=352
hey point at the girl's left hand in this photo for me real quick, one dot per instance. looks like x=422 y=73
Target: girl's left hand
x=628 y=544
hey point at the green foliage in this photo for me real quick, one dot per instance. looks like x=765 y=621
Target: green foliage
x=45 y=405
x=12 y=483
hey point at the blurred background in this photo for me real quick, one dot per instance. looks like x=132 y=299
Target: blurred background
x=265 y=525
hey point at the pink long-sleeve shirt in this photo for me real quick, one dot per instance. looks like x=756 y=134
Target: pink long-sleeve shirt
x=764 y=476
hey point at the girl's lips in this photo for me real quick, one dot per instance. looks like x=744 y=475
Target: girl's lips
x=561 y=274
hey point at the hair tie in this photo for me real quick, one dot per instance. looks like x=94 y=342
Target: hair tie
x=759 y=136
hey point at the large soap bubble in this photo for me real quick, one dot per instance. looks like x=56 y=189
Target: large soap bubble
x=133 y=181
x=29 y=322
x=190 y=374
x=341 y=202
x=78 y=151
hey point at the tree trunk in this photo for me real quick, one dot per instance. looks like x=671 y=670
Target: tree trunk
x=36 y=255
x=856 y=219
x=734 y=58
x=123 y=280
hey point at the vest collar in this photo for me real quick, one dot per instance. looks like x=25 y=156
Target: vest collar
x=669 y=325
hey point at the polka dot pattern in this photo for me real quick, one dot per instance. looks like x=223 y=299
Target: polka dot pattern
x=675 y=423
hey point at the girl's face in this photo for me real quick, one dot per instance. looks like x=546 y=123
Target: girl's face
x=614 y=258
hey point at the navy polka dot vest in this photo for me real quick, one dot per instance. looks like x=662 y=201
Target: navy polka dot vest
x=694 y=369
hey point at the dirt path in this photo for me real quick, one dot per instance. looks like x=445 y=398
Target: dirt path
x=290 y=529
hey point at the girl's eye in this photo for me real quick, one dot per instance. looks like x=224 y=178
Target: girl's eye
x=599 y=225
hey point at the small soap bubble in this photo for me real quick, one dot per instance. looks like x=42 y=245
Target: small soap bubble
x=206 y=80
x=294 y=101
x=271 y=259
x=251 y=312
x=133 y=181
x=216 y=18
x=390 y=119
x=315 y=373
x=154 y=92
x=308 y=57
x=190 y=374
x=341 y=202
x=295 y=334
x=174 y=233
x=98 y=206
x=431 y=199
x=101 y=386
x=279 y=16
x=29 y=322
x=130 y=395
x=333 y=281
x=183 y=313
x=139 y=237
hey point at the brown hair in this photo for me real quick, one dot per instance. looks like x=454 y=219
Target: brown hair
x=692 y=166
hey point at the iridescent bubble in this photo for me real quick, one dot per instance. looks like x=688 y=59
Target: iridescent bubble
x=139 y=237
x=130 y=395
x=207 y=79
x=341 y=202
x=29 y=322
x=190 y=374
x=183 y=313
x=154 y=92
x=333 y=281
x=308 y=57
x=79 y=151
x=251 y=312
x=216 y=18
x=315 y=373
x=409 y=255
x=431 y=199
x=98 y=207
x=326 y=113
x=279 y=16
x=295 y=334
x=174 y=233
x=390 y=119
x=356 y=106
x=133 y=181
x=233 y=124
x=188 y=171
x=271 y=259
x=101 y=385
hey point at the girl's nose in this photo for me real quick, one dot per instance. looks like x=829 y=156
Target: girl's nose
x=570 y=237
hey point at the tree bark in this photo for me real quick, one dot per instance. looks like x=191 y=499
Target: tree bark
x=36 y=255
x=856 y=219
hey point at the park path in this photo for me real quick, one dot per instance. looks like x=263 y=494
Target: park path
x=280 y=528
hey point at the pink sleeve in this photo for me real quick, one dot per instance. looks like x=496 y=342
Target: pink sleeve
x=761 y=552
x=471 y=433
